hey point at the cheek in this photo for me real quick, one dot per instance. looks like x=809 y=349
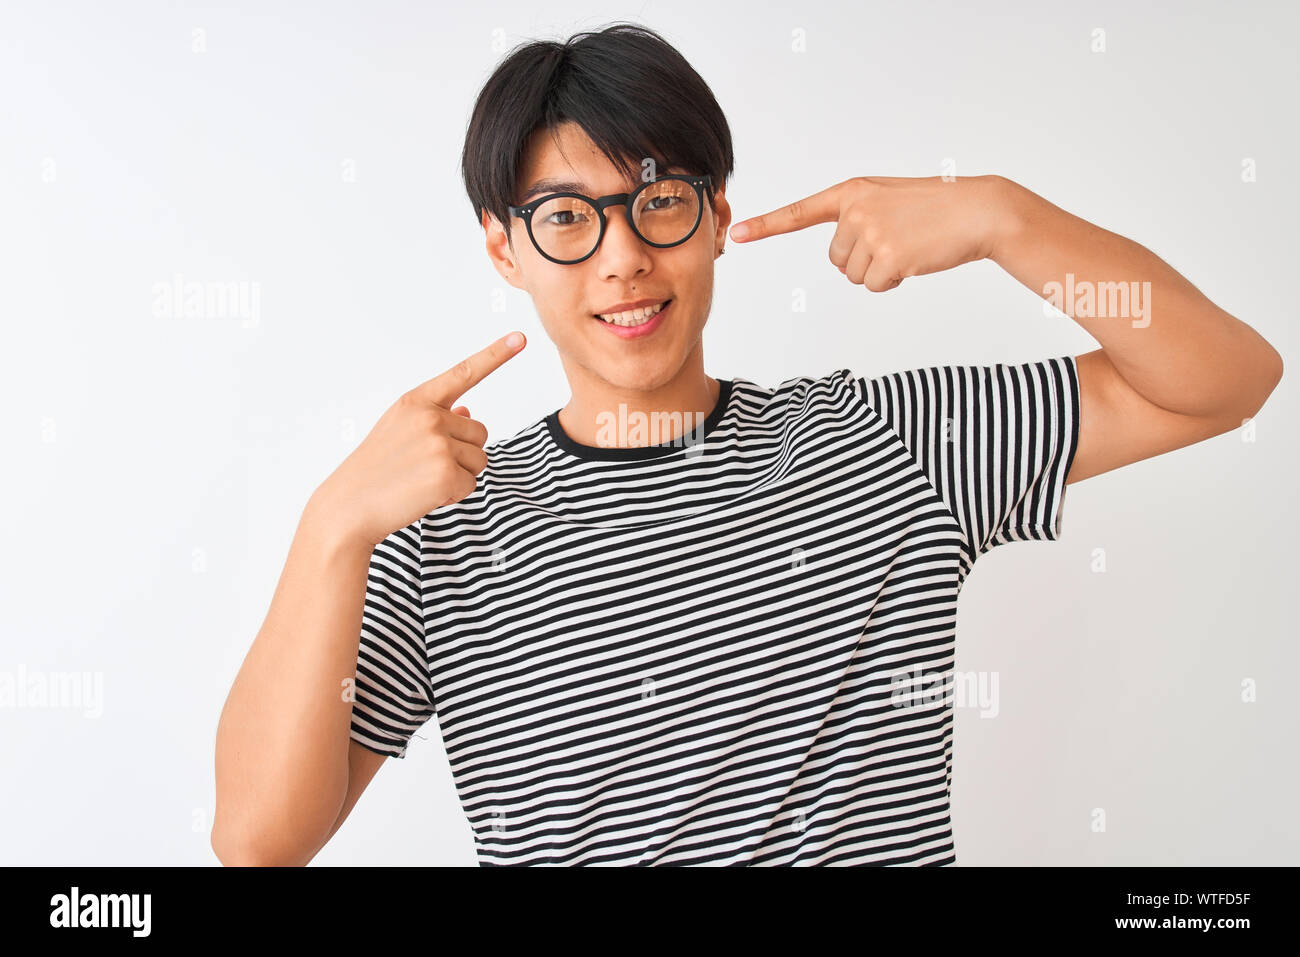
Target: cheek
x=557 y=302
x=697 y=286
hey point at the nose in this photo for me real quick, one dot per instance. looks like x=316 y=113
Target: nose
x=622 y=252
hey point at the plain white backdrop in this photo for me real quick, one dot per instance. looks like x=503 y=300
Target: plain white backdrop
x=306 y=156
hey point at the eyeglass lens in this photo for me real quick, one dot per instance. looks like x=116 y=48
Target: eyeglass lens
x=568 y=228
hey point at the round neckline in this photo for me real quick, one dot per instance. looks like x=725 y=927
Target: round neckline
x=636 y=453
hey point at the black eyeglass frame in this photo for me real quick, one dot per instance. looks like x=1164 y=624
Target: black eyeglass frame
x=627 y=200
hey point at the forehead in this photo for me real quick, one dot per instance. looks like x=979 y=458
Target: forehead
x=567 y=161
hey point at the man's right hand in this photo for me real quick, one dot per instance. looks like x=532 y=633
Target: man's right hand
x=423 y=453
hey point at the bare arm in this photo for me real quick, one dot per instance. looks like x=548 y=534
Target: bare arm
x=363 y=764
x=282 y=742
x=287 y=770
x=1174 y=368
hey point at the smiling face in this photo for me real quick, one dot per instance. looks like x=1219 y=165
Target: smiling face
x=624 y=269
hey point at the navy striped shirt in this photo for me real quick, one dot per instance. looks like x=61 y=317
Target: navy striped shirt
x=723 y=650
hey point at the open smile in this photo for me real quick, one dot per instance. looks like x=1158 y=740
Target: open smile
x=635 y=323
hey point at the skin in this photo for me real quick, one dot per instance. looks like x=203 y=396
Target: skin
x=663 y=371
x=1190 y=372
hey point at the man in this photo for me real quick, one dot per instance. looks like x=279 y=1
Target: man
x=687 y=620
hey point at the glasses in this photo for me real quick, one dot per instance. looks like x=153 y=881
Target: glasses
x=567 y=228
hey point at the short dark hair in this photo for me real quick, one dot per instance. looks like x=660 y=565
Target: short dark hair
x=629 y=89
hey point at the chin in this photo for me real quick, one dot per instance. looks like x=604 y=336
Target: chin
x=644 y=375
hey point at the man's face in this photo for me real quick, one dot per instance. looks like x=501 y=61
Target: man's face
x=623 y=269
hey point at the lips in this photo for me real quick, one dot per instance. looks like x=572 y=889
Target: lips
x=644 y=329
x=629 y=306
x=629 y=314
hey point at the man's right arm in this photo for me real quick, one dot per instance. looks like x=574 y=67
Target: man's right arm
x=284 y=758
x=288 y=771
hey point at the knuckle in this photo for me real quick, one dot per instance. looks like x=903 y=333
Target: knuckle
x=862 y=188
x=444 y=470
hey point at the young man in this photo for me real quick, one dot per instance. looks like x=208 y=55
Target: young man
x=715 y=642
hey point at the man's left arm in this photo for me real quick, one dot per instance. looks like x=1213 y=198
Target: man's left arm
x=1173 y=368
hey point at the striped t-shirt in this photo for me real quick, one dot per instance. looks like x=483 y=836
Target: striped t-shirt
x=735 y=648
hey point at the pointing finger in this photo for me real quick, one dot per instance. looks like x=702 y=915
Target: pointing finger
x=444 y=389
x=823 y=207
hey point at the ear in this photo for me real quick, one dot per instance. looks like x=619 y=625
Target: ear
x=500 y=250
x=721 y=219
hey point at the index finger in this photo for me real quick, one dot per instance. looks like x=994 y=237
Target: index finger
x=445 y=388
x=823 y=207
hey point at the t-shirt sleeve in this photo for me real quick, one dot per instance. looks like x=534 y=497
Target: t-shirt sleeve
x=393 y=691
x=996 y=442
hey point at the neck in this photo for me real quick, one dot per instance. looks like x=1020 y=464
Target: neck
x=603 y=414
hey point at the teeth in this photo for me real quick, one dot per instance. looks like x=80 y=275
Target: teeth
x=633 y=317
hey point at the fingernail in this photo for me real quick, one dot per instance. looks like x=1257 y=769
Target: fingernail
x=739 y=231
x=514 y=340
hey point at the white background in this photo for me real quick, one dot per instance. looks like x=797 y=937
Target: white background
x=156 y=466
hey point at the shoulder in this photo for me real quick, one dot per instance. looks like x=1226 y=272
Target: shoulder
x=802 y=394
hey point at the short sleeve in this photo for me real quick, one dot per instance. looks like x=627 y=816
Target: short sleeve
x=394 y=694
x=996 y=442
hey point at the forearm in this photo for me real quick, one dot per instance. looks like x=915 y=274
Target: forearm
x=1171 y=344
x=282 y=741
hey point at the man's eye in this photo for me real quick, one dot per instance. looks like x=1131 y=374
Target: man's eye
x=550 y=220
x=668 y=202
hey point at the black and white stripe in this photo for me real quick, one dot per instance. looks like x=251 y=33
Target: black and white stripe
x=668 y=655
x=995 y=441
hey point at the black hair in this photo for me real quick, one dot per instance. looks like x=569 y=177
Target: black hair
x=629 y=89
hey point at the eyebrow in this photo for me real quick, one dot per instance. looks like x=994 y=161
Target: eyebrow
x=554 y=185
